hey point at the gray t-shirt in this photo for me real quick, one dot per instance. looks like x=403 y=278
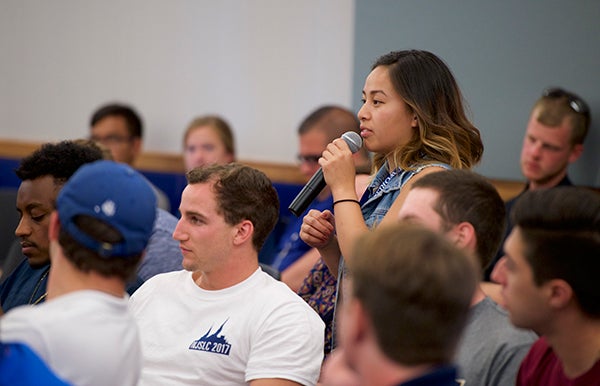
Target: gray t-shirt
x=162 y=253
x=491 y=349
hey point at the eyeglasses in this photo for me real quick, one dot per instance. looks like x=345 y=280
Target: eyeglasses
x=111 y=140
x=310 y=158
x=576 y=103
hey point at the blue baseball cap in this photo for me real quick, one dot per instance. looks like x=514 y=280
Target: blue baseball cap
x=117 y=195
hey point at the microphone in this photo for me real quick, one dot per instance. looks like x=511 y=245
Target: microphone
x=317 y=182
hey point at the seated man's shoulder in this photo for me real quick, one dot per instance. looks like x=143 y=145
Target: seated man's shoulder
x=19 y=287
x=23 y=272
x=162 y=253
x=542 y=366
x=165 y=220
x=278 y=297
x=493 y=321
x=492 y=348
x=276 y=291
x=173 y=280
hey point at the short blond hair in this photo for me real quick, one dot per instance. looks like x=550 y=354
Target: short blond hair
x=220 y=126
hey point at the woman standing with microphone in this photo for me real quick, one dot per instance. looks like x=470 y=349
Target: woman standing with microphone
x=413 y=120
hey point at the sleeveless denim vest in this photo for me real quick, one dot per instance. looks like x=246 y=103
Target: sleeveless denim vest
x=384 y=189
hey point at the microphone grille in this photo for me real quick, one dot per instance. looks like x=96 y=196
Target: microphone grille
x=353 y=140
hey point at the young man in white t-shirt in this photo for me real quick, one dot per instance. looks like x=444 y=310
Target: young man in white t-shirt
x=222 y=321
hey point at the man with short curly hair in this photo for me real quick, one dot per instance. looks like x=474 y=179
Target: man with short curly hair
x=43 y=174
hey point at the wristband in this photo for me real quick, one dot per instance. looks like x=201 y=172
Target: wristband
x=346 y=200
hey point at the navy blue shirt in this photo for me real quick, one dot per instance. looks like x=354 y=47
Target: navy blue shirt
x=25 y=285
x=441 y=376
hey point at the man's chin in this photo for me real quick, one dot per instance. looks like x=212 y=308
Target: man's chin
x=37 y=261
x=532 y=175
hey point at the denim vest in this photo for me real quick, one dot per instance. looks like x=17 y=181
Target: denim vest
x=381 y=194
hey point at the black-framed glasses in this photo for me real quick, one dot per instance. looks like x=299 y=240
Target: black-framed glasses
x=309 y=158
x=110 y=140
x=576 y=103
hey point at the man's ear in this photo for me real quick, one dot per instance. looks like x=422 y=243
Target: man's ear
x=465 y=236
x=356 y=322
x=54 y=227
x=575 y=153
x=243 y=231
x=364 y=325
x=136 y=147
x=560 y=293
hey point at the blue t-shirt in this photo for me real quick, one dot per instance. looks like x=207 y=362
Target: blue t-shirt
x=19 y=365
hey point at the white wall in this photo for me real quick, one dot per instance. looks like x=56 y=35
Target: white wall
x=262 y=64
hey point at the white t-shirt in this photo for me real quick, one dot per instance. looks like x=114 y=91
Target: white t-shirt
x=256 y=329
x=85 y=337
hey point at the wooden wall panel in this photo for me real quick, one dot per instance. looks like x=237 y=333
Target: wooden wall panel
x=173 y=163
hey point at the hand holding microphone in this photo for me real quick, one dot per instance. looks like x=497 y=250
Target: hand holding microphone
x=317 y=182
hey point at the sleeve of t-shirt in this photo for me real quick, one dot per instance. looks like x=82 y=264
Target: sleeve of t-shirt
x=288 y=345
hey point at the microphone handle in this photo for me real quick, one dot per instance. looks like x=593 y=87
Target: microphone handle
x=309 y=192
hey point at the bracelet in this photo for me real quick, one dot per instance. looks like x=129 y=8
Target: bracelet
x=346 y=200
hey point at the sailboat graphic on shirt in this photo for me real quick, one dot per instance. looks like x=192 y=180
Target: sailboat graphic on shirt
x=214 y=343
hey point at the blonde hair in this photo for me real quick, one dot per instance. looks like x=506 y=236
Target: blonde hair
x=221 y=127
x=553 y=110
